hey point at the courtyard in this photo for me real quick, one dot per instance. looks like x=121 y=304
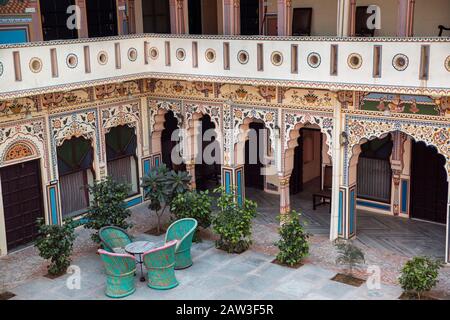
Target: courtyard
x=386 y=241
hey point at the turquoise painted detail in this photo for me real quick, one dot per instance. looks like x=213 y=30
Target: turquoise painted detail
x=239 y=187
x=53 y=205
x=120 y=270
x=352 y=211
x=227 y=181
x=157 y=162
x=340 y=222
x=114 y=237
x=183 y=231
x=134 y=202
x=374 y=205
x=404 y=203
x=160 y=265
x=147 y=166
x=8 y=36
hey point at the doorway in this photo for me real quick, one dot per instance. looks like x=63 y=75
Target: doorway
x=102 y=18
x=22 y=202
x=429 y=187
x=249 y=17
x=54 y=20
x=156 y=16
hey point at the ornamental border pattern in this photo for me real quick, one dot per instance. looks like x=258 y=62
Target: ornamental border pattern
x=82 y=123
x=358 y=128
x=33 y=132
x=323 y=120
x=168 y=105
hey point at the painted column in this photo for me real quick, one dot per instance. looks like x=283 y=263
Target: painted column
x=122 y=27
x=397 y=167
x=344 y=18
x=36 y=23
x=405 y=18
x=231 y=17
x=83 y=31
x=131 y=14
x=285 y=201
x=177 y=16
x=352 y=18
x=284 y=18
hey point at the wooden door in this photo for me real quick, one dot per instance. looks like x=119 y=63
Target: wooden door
x=101 y=17
x=22 y=202
x=54 y=20
x=429 y=187
x=361 y=29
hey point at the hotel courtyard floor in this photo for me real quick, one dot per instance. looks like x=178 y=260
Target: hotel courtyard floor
x=386 y=241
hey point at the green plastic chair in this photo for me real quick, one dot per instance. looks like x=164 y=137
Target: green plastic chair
x=120 y=270
x=160 y=263
x=183 y=231
x=114 y=237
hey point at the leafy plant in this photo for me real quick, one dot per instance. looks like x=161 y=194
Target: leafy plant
x=350 y=255
x=107 y=207
x=55 y=243
x=193 y=204
x=419 y=275
x=161 y=186
x=293 y=244
x=233 y=222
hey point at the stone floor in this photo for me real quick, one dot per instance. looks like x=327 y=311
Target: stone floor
x=387 y=243
x=214 y=275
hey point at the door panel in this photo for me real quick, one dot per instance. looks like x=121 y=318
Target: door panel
x=249 y=17
x=22 y=202
x=156 y=16
x=429 y=186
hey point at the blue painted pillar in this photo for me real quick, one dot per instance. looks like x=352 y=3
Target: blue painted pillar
x=347 y=212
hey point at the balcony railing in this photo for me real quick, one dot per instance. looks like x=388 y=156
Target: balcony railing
x=396 y=65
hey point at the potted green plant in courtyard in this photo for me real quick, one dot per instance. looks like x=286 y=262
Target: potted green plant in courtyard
x=193 y=204
x=351 y=256
x=293 y=243
x=233 y=222
x=107 y=207
x=419 y=275
x=160 y=187
x=55 y=243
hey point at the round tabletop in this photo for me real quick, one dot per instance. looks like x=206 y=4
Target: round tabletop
x=139 y=247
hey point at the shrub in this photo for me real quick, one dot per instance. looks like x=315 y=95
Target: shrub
x=161 y=186
x=55 y=243
x=349 y=254
x=419 y=275
x=193 y=204
x=293 y=244
x=233 y=222
x=107 y=207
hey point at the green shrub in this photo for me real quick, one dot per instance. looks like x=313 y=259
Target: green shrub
x=55 y=243
x=161 y=186
x=233 y=222
x=193 y=204
x=419 y=275
x=107 y=207
x=293 y=244
x=349 y=254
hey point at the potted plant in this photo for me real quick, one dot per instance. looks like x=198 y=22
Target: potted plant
x=293 y=243
x=419 y=275
x=350 y=256
x=233 y=222
x=107 y=207
x=161 y=186
x=55 y=243
x=193 y=204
